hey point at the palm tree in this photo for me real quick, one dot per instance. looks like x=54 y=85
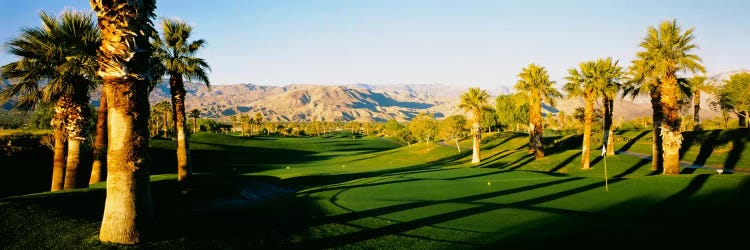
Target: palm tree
x=475 y=101
x=583 y=83
x=535 y=85
x=164 y=107
x=610 y=76
x=698 y=84
x=123 y=65
x=258 y=120
x=644 y=81
x=178 y=59
x=596 y=79
x=195 y=114
x=233 y=119
x=667 y=50
x=61 y=53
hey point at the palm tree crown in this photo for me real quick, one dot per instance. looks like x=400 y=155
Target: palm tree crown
x=474 y=100
x=534 y=82
x=176 y=55
x=60 y=53
x=667 y=51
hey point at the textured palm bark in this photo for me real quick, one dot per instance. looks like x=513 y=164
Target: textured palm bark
x=657 y=117
x=128 y=214
x=59 y=127
x=76 y=124
x=475 y=156
x=123 y=65
x=609 y=132
x=195 y=123
x=166 y=123
x=73 y=160
x=177 y=89
x=535 y=118
x=588 y=115
x=697 y=110
x=58 y=164
x=99 y=166
x=671 y=136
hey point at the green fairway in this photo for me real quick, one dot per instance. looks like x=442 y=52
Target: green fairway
x=372 y=193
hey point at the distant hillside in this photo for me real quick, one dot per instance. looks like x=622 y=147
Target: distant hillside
x=362 y=102
x=359 y=102
x=9 y=104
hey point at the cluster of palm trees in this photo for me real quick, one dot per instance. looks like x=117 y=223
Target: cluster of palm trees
x=666 y=51
x=594 y=79
x=67 y=57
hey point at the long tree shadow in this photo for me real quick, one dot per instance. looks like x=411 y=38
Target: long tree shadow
x=633 y=168
x=507 y=136
x=678 y=200
x=354 y=215
x=688 y=139
x=499 y=164
x=398 y=228
x=707 y=148
x=632 y=141
x=564 y=162
x=738 y=145
x=497 y=155
x=234 y=159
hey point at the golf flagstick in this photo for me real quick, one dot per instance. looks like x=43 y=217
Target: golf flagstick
x=604 y=155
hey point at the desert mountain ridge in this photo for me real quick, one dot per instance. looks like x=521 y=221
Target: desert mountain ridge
x=364 y=102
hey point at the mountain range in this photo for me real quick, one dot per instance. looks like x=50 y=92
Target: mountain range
x=362 y=102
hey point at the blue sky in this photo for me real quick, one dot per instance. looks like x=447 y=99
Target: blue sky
x=465 y=43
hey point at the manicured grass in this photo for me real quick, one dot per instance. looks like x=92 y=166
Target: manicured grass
x=715 y=148
x=368 y=193
x=4 y=132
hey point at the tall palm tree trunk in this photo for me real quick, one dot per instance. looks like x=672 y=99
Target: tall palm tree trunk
x=671 y=135
x=73 y=160
x=657 y=117
x=76 y=124
x=166 y=123
x=184 y=170
x=609 y=136
x=588 y=116
x=58 y=162
x=195 y=122
x=536 y=130
x=128 y=214
x=475 y=157
x=123 y=65
x=59 y=124
x=562 y=120
x=99 y=167
x=697 y=110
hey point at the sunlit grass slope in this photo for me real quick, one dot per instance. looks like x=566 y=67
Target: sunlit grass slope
x=368 y=193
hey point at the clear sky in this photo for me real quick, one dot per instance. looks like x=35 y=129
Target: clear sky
x=461 y=42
